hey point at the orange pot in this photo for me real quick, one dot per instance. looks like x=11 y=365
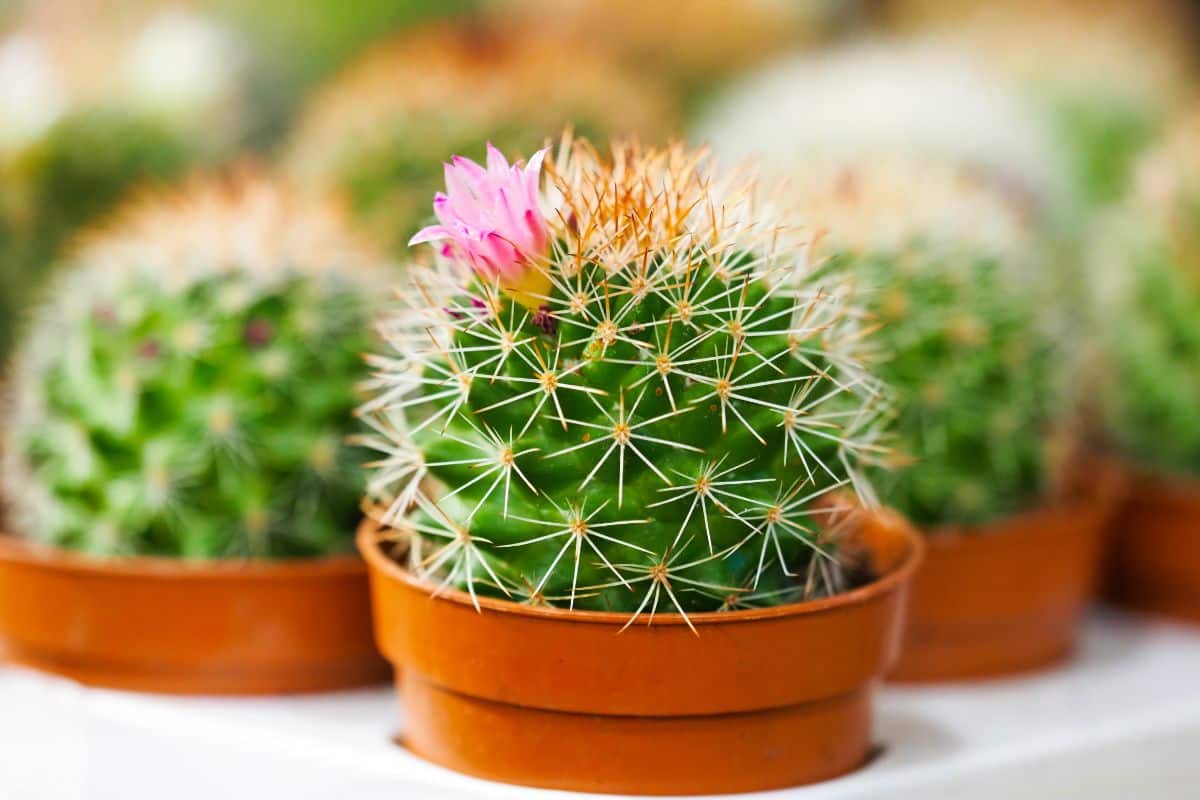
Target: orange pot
x=1155 y=564
x=161 y=625
x=1007 y=597
x=544 y=697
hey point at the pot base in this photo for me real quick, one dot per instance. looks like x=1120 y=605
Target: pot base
x=937 y=654
x=715 y=703
x=160 y=625
x=722 y=753
x=1178 y=603
x=1007 y=597
x=1155 y=564
x=260 y=681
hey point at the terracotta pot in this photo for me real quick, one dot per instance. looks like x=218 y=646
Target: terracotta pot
x=1155 y=562
x=1007 y=597
x=161 y=625
x=760 y=699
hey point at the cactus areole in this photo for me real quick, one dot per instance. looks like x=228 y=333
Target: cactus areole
x=621 y=384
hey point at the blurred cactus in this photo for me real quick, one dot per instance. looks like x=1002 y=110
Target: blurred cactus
x=379 y=131
x=948 y=269
x=1147 y=266
x=85 y=114
x=71 y=175
x=626 y=388
x=188 y=387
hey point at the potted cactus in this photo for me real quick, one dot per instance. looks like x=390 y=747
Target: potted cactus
x=175 y=474
x=379 y=131
x=90 y=107
x=985 y=461
x=1148 y=256
x=621 y=422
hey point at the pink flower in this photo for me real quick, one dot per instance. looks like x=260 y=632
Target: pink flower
x=489 y=218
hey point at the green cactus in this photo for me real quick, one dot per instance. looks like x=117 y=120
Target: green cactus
x=947 y=267
x=187 y=390
x=640 y=405
x=1147 y=259
x=1104 y=76
x=70 y=176
x=1102 y=138
x=109 y=101
x=973 y=378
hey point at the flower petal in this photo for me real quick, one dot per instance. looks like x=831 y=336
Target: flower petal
x=497 y=164
x=431 y=233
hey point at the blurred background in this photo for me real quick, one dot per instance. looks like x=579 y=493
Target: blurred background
x=365 y=99
x=1017 y=182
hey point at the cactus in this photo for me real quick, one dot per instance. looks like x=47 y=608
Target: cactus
x=187 y=388
x=380 y=130
x=72 y=175
x=1147 y=259
x=629 y=388
x=950 y=271
x=74 y=138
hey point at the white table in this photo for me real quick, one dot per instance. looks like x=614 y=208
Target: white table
x=1122 y=721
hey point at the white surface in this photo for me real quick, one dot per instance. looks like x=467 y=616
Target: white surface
x=1122 y=721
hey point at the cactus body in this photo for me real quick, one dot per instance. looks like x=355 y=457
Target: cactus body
x=90 y=109
x=1148 y=260
x=77 y=171
x=973 y=377
x=947 y=267
x=188 y=387
x=641 y=415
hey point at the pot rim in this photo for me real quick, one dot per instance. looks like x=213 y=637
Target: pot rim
x=1113 y=486
x=376 y=560
x=1147 y=474
x=15 y=550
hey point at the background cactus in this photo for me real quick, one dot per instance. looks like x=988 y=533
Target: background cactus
x=89 y=110
x=948 y=268
x=1147 y=263
x=76 y=172
x=188 y=387
x=627 y=390
x=380 y=130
